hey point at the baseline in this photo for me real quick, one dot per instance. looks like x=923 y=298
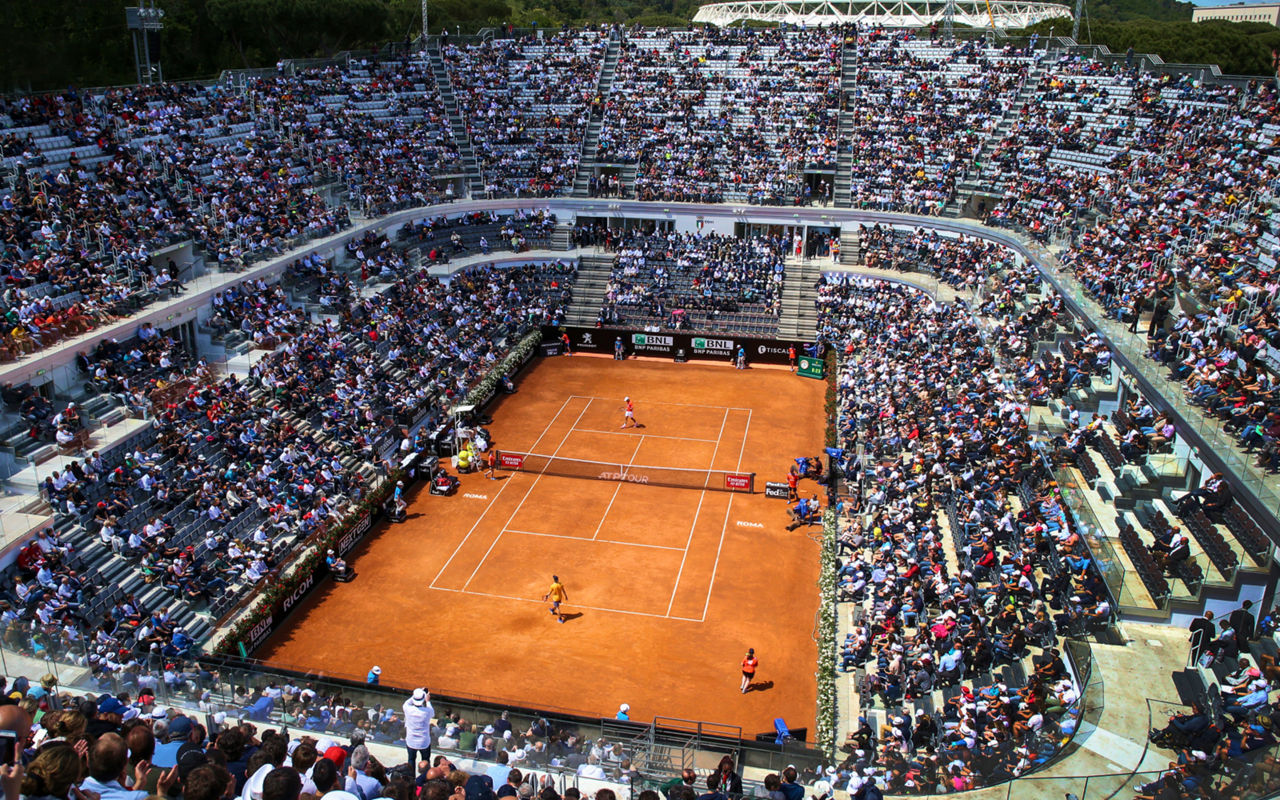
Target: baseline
x=662 y=403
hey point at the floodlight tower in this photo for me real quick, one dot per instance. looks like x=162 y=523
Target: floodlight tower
x=142 y=20
x=425 y=30
x=949 y=20
x=1075 y=23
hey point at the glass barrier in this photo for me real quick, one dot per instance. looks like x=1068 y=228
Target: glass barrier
x=220 y=686
x=1096 y=538
x=1133 y=346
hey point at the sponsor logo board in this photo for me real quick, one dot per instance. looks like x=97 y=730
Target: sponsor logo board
x=776 y=489
x=259 y=633
x=651 y=342
x=298 y=593
x=738 y=483
x=704 y=345
x=511 y=460
x=354 y=535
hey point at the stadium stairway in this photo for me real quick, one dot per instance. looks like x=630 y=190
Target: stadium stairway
x=591 y=141
x=799 y=318
x=970 y=182
x=589 y=288
x=474 y=180
x=850 y=246
x=1131 y=503
x=844 y=157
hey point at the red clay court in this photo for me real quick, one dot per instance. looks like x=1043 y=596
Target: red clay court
x=667 y=587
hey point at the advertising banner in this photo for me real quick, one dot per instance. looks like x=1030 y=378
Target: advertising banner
x=281 y=608
x=511 y=460
x=674 y=344
x=739 y=483
x=776 y=489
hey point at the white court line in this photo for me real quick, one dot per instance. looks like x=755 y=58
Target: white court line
x=605 y=516
x=661 y=403
x=703 y=496
x=498 y=494
x=581 y=539
x=650 y=435
x=571 y=605
x=714 y=567
x=527 y=492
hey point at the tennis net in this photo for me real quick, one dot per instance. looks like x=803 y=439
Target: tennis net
x=709 y=479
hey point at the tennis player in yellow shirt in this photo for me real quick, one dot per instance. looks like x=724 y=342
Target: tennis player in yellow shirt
x=557 y=595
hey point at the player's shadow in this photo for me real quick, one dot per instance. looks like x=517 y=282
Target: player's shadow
x=762 y=686
x=414 y=515
x=572 y=616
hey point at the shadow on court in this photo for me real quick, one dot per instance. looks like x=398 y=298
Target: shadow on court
x=762 y=686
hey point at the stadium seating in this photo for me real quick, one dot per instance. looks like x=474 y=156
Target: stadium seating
x=1157 y=188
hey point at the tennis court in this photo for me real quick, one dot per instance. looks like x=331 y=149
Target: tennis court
x=670 y=576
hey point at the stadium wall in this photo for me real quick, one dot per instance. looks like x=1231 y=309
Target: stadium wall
x=670 y=344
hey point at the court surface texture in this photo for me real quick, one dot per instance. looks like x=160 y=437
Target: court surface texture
x=667 y=587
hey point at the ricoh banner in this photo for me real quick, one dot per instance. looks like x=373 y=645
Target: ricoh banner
x=670 y=344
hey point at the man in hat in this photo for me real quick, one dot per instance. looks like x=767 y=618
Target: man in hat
x=374 y=676
x=418 y=713
x=178 y=734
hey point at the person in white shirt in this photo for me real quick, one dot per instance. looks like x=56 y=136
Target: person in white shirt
x=591 y=769
x=418 y=713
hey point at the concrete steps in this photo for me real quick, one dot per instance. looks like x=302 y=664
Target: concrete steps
x=591 y=141
x=799 y=318
x=474 y=179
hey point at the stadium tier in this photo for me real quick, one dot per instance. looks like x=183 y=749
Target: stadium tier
x=309 y=366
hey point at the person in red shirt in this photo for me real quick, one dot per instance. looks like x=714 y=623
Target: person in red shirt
x=791 y=356
x=749 y=665
x=629 y=414
x=793 y=482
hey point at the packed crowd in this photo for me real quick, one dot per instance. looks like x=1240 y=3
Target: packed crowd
x=686 y=280
x=526 y=104
x=1172 y=173
x=724 y=114
x=479 y=231
x=962 y=262
x=231 y=170
x=920 y=113
x=200 y=508
x=948 y=455
x=147 y=739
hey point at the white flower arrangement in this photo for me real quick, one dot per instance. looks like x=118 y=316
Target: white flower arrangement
x=484 y=391
x=826 y=674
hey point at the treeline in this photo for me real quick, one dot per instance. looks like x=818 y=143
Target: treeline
x=1238 y=48
x=57 y=43
x=1164 y=27
x=51 y=44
